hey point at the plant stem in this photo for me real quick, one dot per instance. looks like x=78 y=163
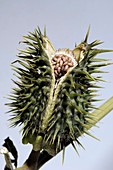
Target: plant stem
x=4 y=151
x=102 y=111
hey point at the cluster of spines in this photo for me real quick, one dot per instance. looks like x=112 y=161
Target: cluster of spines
x=74 y=103
x=30 y=97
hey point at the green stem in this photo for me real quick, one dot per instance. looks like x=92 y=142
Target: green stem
x=102 y=111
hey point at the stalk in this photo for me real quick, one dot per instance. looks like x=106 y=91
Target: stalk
x=102 y=111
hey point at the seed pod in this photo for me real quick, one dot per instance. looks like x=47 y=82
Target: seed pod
x=54 y=97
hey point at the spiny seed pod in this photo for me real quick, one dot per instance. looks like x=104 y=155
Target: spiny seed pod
x=55 y=92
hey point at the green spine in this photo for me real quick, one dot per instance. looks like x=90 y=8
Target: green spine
x=58 y=114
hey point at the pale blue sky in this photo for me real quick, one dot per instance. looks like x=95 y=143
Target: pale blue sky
x=67 y=22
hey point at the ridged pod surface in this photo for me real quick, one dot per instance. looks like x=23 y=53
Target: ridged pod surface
x=54 y=96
